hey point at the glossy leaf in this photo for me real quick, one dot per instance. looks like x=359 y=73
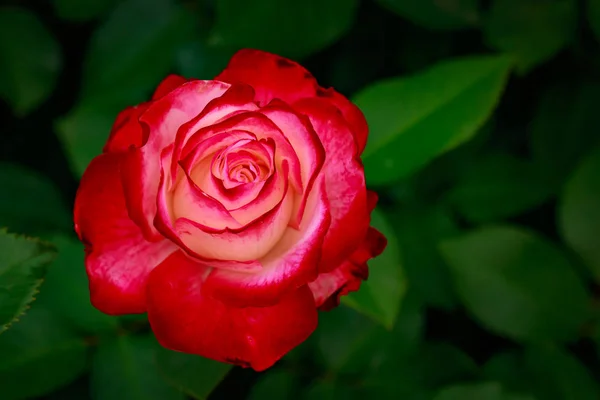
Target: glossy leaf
x=125 y=368
x=379 y=296
x=532 y=30
x=20 y=207
x=439 y=15
x=23 y=265
x=498 y=186
x=287 y=27
x=426 y=114
x=194 y=375
x=564 y=128
x=579 y=211
x=31 y=60
x=39 y=355
x=66 y=289
x=508 y=278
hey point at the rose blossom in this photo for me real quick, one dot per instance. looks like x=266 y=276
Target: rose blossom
x=230 y=210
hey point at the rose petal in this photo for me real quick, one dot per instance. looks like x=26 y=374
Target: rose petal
x=162 y=119
x=118 y=258
x=330 y=286
x=352 y=114
x=185 y=319
x=290 y=264
x=168 y=84
x=271 y=76
x=126 y=130
x=344 y=180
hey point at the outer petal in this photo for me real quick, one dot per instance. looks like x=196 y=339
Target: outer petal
x=330 y=286
x=271 y=76
x=168 y=84
x=290 y=264
x=162 y=119
x=118 y=258
x=126 y=130
x=344 y=179
x=184 y=318
x=351 y=113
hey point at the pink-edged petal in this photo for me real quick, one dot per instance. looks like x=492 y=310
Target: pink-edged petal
x=162 y=119
x=118 y=258
x=126 y=130
x=247 y=243
x=330 y=286
x=168 y=84
x=305 y=142
x=344 y=180
x=271 y=76
x=184 y=318
x=352 y=114
x=290 y=264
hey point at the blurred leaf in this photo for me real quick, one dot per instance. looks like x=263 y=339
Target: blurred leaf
x=419 y=229
x=379 y=296
x=39 y=355
x=79 y=11
x=498 y=186
x=196 y=376
x=201 y=61
x=509 y=278
x=427 y=114
x=290 y=28
x=593 y=16
x=275 y=385
x=478 y=391
x=125 y=368
x=509 y=369
x=134 y=49
x=532 y=30
x=440 y=364
x=327 y=390
x=437 y=14
x=23 y=264
x=20 y=207
x=66 y=289
x=579 y=211
x=31 y=60
x=564 y=128
x=84 y=131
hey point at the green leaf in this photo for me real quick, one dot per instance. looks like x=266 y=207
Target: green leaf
x=31 y=60
x=20 y=207
x=564 y=128
x=509 y=368
x=498 y=186
x=199 y=60
x=22 y=269
x=478 y=391
x=327 y=390
x=534 y=31
x=39 y=355
x=579 y=212
x=66 y=289
x=84 y=131
x=134 y=49
x=125 y=368
x=509 y=278
x=439 y=15
x=379 y=296
x=275 y=385
x=288 y=27
x=419 y=229
x=426 y=114
x=79 y=11
x=196 y=376
x=593 y=16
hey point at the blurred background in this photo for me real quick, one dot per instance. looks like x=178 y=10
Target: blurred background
x=484 y=149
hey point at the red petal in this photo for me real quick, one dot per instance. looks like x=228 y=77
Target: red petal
x=168 y=84
x=344 y=180
x=352 y=114
x=162 y=119
x=126 y=130
x=118 y=258
x=290 y=264
x=330 y=286
x=271 y=76
x=186 y=319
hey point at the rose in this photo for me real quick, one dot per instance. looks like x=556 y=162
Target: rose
x=230 y=210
